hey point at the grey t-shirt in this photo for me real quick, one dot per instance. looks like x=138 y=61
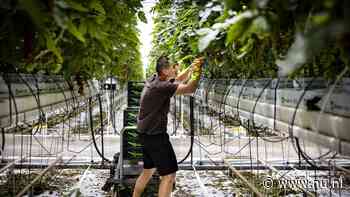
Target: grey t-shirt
x=154 y=105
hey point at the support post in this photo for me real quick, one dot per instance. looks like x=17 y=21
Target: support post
x=192 y=123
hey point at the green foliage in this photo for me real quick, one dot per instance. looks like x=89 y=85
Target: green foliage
x=173 y=32
x=89 y=39
x=142 y=16
x=254 y=39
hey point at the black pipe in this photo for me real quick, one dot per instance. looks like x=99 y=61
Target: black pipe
x=190 y=151
x=275 y=104
x=92 y=131
x=3 y=140
x=101 y=123
x=191 y=126
x=304 y=156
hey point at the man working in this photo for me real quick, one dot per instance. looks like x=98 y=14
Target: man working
x=152 y=122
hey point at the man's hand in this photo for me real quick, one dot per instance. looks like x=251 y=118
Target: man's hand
x=196 y=66
x=197 y=63
x=191 y=86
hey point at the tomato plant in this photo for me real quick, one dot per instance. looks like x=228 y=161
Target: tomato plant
x=255 y=39
x=85 y=38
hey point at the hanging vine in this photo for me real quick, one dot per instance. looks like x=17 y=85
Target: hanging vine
x=88 y=39
x=255 y=39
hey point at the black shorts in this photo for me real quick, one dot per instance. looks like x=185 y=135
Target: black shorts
x=158 y=153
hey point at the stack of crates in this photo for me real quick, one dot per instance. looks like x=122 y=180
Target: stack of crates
x=131 y=153
x=132 y=150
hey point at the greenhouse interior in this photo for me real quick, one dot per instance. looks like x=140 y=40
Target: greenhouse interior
x=267 y=115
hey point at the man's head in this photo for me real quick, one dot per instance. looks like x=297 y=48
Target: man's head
x=165 y=69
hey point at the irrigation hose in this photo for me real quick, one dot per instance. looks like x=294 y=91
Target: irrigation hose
x=191 y=123
x=93 y=132
x=192 y=132
x=303 y=155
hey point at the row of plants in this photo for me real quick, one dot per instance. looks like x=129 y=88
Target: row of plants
x=13 y=182
x=255 y=39
x=55 y=119
x=257 y=181
x=85 y=39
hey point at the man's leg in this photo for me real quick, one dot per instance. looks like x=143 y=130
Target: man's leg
x=166 y=185
x=142 y=181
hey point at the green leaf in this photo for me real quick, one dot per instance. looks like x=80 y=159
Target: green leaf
x=50 y=44
x=236 y=30
x=205 y=40
x=74 y=30
x=187 y=57
x=232 y=4
x=106 y=57
x=96 y=32
x=76 y=6
x=62 y=4
x=96 y=6
x=56 y=68
x=60 y=17
x=142 y=16
x=30 y=67
x=83 y=27
x=320 y=19
x=34 y=8
x=260 y=27
x=296 y=56
x=100 y=19
x=246 y=48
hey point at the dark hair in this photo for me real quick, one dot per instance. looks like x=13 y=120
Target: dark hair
x=162 y=62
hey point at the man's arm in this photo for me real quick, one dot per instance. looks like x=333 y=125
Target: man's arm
x=184 y=75
x=191 y=86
